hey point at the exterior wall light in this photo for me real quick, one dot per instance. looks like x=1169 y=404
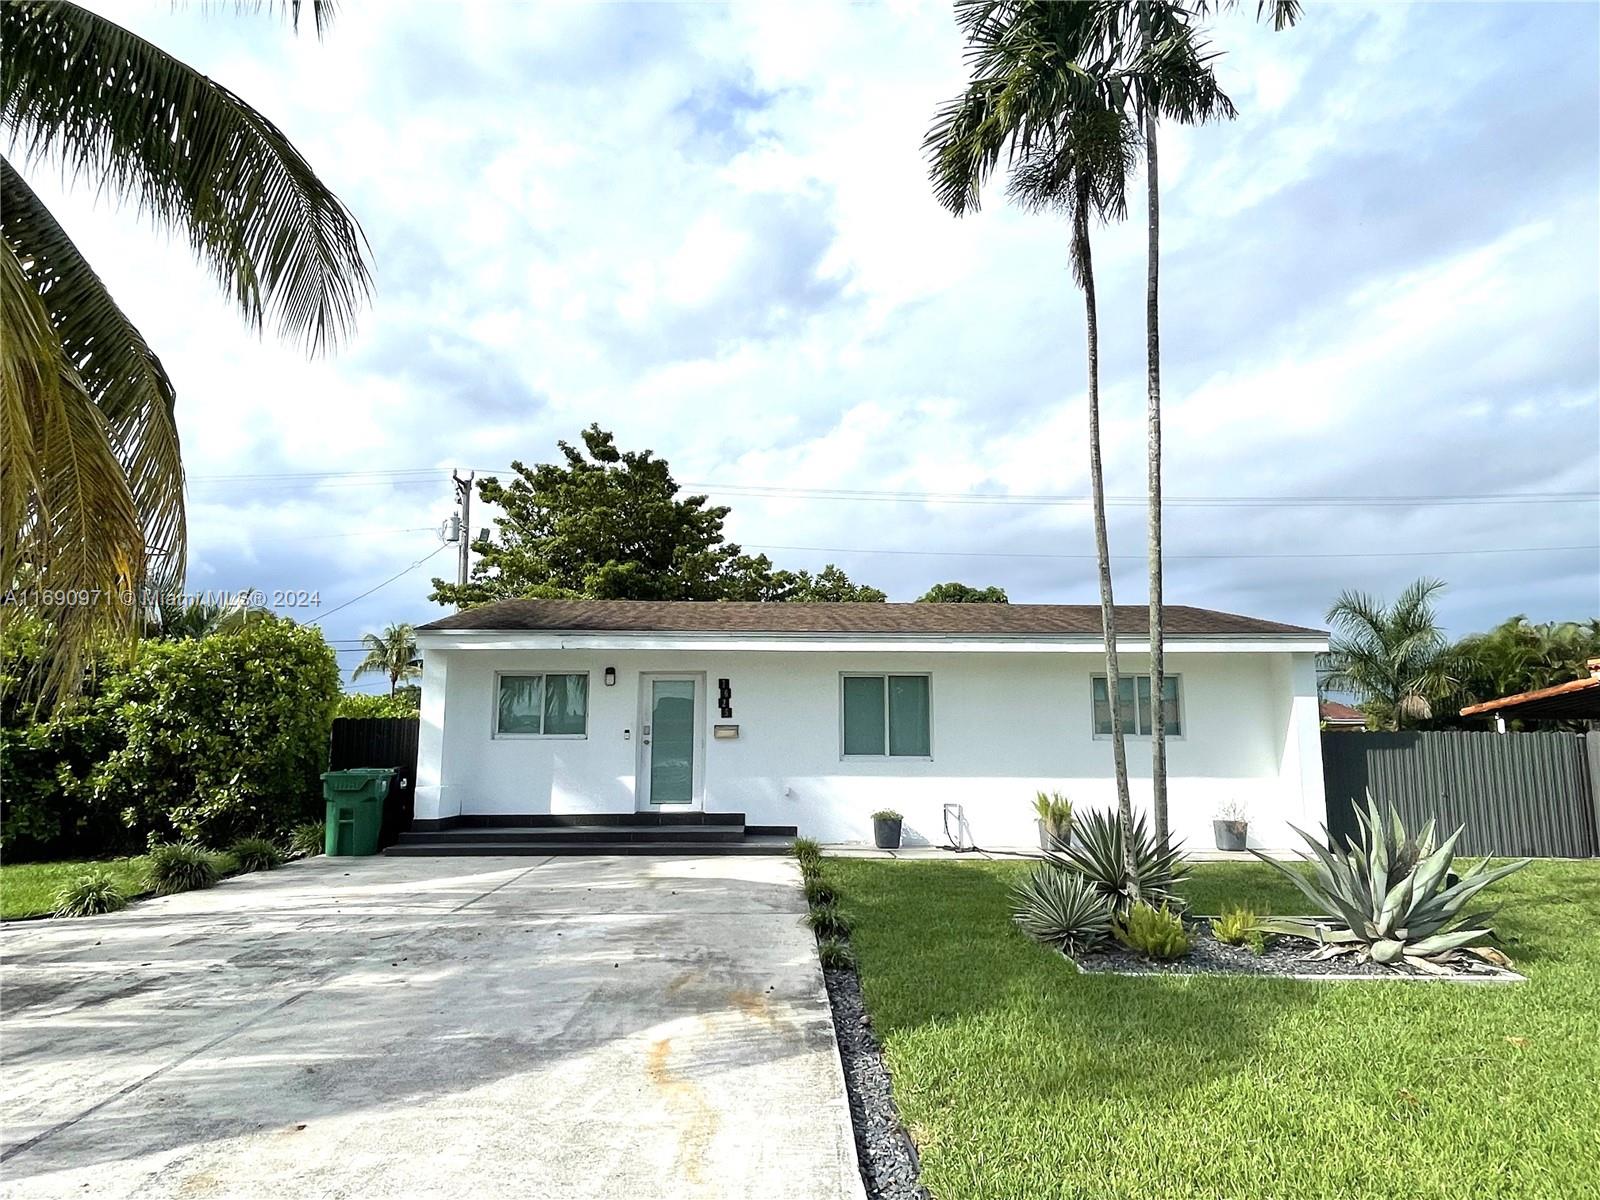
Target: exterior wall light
x=611 y=676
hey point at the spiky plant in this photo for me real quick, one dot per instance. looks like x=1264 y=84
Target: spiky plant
x=819 y=891
x=88 y=895
x=1098 y=857
x=1153 y=932
x=181 y=867
x=1054 y=811
x=827 y=921
x=807 y=850
x=309 y=839
x=256 y=854
x=1062 y=909
x=1239 y=926
x=1389 y=898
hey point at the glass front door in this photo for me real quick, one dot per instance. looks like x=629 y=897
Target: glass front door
x=669 y=742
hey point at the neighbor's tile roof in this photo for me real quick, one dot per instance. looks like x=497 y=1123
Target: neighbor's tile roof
x=939 y=620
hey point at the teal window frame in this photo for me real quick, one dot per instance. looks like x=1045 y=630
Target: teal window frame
x=540 y=735
x=1143 y=725
x=888 y=721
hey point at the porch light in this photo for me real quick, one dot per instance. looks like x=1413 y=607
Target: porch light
x=611 y=676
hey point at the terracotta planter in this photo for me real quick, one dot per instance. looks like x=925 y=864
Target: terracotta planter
x=1230 y=834
x=886 y=832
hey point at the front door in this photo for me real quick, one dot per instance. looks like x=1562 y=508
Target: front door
x=669 y=741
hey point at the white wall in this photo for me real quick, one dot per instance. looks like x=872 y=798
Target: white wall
x=1004 y=725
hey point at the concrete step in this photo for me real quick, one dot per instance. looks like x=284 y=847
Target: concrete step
x=578 y=833
x=534 y=844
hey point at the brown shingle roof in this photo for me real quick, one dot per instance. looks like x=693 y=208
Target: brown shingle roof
x=939 y=620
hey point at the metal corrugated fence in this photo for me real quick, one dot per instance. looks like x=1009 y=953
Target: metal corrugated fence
x=1517 y=793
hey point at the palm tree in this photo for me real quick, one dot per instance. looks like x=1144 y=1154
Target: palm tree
x=1035 y=95
x=1396 y=660
x=393 y=653
x=1179 y=84
x=175 y=619
x=92 y=495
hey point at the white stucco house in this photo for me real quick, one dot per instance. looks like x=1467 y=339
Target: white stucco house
x=816 y=715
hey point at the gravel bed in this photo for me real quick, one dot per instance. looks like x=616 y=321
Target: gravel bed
x=1284 y=956
x=889 y=1165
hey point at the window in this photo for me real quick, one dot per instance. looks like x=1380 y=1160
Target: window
x=542 y=706
x=1135 y=693
x=886 y=715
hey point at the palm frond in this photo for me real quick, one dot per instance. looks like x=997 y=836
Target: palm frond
x=108 y=106
x=116 y=367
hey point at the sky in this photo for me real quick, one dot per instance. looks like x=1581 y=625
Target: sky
x=709 y=228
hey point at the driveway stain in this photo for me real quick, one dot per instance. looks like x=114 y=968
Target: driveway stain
x=688 y=1105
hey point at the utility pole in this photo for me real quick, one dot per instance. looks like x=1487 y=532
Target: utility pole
x=464 y=549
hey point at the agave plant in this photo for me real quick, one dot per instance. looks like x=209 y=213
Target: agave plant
x=1097 y=856
x=1391 y=898
x=1061 y=908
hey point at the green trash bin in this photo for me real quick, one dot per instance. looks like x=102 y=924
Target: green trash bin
x=355 y=809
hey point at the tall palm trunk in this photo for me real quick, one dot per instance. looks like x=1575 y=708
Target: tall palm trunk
x=1085 y=269
x=1152 y=314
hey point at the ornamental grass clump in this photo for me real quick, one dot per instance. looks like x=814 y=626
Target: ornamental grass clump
x=256 y=854
x=819 y=891
x=825 y=920
x=1389 y=898
x=88 y=895
x=1153 y=932
x=835 y=954
x=181 y=867
x=309 y=839
x=1061 y=909
x=1097 y=856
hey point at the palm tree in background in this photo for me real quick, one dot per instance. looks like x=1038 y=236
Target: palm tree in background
x=175 y=619
x=91 y=480
x=1396 y=660
x=393 y=653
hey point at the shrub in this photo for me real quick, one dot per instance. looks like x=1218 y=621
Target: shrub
x=807 y=850
x=256 y=854
x=887 y=814
x=1098 y=858
x=1390 y=898
x=1061 y=908
x=88 y=895
x=827 y=921
x=819 y=892
x=1238 y=926
x=181 y=867
x=224 y=735
x=835 y=954
x=360 y=704
x=1153 y=932
x=309 y=839
x=1055 y=812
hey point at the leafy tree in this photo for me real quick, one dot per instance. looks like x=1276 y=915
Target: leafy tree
x=962 y=593
x=1520 y=656
x=606 y=524
x=173 y=617
x=1396 y=660
x=356 y=704
x=393 y=653
x=91 y=481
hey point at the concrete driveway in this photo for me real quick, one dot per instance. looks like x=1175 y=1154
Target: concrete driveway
x=568 y=1027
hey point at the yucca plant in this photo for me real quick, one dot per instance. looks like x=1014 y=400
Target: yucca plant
x=1389 y=898
x=1061 y=908
x=181 y=867
x=1055 y=815
x=1153 y=932
x=256 y=854
x=1097 y=856
x=88 y=895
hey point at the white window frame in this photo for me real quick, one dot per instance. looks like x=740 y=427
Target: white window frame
x=494 y=708
x=1183 y=710
x=885 y=756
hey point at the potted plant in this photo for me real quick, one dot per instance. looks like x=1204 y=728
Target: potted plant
x=1231 y=826
x=886 y=829
x=1055 y=819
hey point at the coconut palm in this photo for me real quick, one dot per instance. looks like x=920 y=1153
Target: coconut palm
x=393 y=653
x=1037 y=94
x=91 y=501
x=1395 y=659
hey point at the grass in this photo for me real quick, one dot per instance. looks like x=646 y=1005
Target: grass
x=1019 y=1077
x=29 y=889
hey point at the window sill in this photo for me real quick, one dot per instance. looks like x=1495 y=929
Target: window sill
x=539 y=737
x=885 y=758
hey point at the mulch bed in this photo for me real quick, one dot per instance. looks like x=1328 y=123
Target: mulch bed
x=1284 y=956
x=889 y=1164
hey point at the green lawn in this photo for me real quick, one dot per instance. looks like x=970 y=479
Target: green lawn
x=29 y=889
x=1021 y=1079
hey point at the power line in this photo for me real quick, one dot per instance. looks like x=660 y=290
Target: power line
x=376 y=586
x=1141 y=557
